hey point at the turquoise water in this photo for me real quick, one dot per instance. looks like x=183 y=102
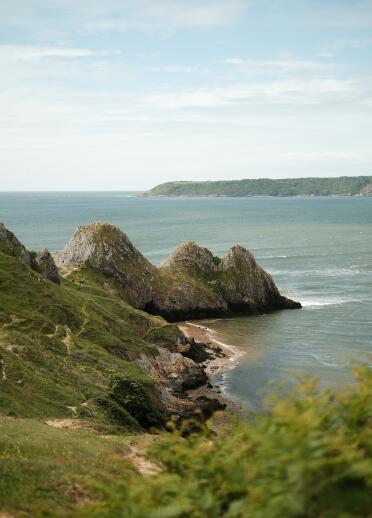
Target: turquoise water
x=319 y=251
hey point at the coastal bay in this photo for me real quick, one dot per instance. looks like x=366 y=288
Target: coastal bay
x=318 y=251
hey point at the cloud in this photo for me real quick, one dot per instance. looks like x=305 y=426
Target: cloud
x=170 y=15
x=120 y=15
x=344 y=43
x=291 y=92
x=278 y=64
x=29 y=52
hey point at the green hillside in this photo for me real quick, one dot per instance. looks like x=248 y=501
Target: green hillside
x=76 y=410
x=342 y=186
x=61 y=345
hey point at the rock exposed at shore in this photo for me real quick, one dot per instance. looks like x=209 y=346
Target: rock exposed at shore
x=190 y=283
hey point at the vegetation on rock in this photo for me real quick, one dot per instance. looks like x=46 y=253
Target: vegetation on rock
x=190 y=283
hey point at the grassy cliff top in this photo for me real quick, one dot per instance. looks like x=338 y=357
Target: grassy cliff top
x=341 y=186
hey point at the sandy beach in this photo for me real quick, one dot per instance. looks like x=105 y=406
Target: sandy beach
x=224 y=355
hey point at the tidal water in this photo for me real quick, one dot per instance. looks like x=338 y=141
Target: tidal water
x=319 y=251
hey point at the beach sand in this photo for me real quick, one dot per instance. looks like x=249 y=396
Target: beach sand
x=224 y=357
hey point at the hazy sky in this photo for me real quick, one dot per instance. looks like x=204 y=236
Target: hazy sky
x=125 y=94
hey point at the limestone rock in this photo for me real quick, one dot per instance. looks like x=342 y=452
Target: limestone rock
x=10 y=245
x=246 y=283
x=190 y=283
x=107 y=249
x=188 y=256
x=46 y=266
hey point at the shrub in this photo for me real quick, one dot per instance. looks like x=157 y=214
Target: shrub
x=308 y=456
x=128 y=399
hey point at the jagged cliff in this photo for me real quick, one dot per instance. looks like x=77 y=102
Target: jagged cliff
x=41 y=261
x=190 y=283
x=108 y=250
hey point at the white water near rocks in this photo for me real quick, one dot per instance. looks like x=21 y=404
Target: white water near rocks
x=319 y=251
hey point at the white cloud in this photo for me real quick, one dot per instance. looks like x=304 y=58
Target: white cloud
x=292 y=92
x=282 y=64
x=143 y=15
x=29 y=52
x=352 y=14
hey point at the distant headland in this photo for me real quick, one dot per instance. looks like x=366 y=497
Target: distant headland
x=340 y=186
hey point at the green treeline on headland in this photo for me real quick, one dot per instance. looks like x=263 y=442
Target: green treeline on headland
x=341 y=186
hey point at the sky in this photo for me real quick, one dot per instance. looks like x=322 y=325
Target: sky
x=127 y=94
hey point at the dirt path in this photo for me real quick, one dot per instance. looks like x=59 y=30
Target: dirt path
x=86 y=320
x=67 y=340
x=3 y=372
x=65 y=423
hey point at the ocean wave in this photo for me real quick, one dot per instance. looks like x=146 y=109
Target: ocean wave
x=331 y=301
x=323 y=361
x=327 y=272
x=292 y=256
x=275 y=257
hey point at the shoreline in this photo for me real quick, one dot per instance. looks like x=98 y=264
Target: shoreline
x=223 y=357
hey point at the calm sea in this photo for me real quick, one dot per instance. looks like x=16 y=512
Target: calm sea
x=319 y=251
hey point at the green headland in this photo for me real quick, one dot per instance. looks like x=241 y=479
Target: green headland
x=341 y=186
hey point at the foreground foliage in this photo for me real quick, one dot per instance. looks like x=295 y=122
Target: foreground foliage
x=309 y=455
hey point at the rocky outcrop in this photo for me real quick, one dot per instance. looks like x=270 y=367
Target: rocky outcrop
x=247 y=285
x=41 y=262
x=176 y=375
x=190 y=256
x=46 y=266
x=196 y=284
x=190 y=283
x=108 y=250
x=367 y=190
x=10 y=245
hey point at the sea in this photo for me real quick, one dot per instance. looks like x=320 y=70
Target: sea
x=318 y=250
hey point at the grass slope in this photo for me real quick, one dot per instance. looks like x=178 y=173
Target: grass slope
x=60 y=345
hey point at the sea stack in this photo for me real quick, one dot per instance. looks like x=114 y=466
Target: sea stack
x=190 y=283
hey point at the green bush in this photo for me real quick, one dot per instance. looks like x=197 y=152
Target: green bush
x=129 y=401
x=307 y=456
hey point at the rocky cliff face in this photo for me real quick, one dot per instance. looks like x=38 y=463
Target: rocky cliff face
x=46 y=266
x=108 y=250
x=190 y=283
x=41 y=262
x=10 y=245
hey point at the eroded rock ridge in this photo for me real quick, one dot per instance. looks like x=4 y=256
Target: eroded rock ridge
x=190 y=283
